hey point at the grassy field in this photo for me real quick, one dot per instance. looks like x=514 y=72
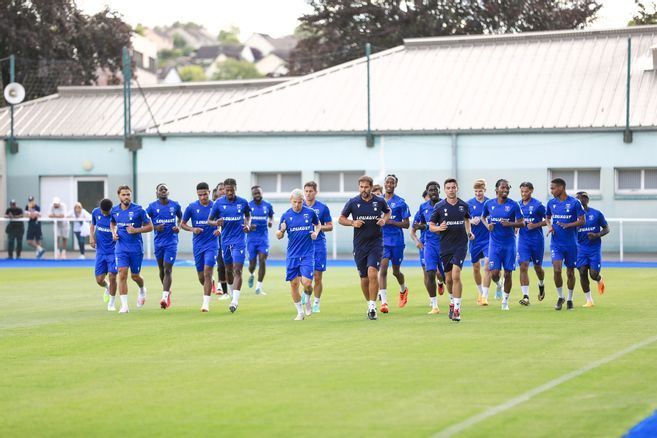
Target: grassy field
x=70 y=368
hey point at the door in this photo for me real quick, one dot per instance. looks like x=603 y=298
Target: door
x=90 y=193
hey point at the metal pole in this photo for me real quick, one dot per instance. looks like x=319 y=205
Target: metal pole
x=454 y=158
x=369 y=140
x=12 y=78
x=627 y=135
x=334 y=236
x=54 y=235
x=620 y=232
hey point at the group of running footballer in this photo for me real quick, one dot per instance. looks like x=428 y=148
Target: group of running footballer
x=498 y=233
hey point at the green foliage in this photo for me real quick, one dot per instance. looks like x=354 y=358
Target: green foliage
x=179 y=41
x=192 y=73
x=140 y=29
x=234 y=69
x=229 y=36
x=647 y=14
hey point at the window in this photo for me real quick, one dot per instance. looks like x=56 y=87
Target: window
x=579 y=179
x=636 y=181
x=278 y=183
x=339 y=182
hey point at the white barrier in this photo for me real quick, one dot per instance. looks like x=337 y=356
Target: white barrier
x=620 y=222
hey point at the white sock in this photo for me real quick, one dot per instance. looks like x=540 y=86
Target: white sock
x=434 y=302
x=498 y=284
x=39 y=248
x=371 y=305
x=484 y=292
x=230 y=289
x=383 y=293
x=124 y=301
x=481 y=289
x=588 y=296
x=299 y=308
x=402 y=287
x=258 y=284
x=142 y=291
x=451 y=299
x=560 y=292
x=525 y=290
x=506 y=297
x=440 y=282
x=540 y=282
x=206 y=300
x=316 y=301
x=165 y=295
x=112 y=300
x=236 y=297
x=457 y=304
x=570 y=294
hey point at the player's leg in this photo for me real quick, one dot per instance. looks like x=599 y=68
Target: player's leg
x=557 y=265
x=136 y=260
x=253 y=259
x=450 y=283
x=238 y=255
x=296 y=296
x=374 y=256
x=397 y=259
x=571 y=262
x=432 y=262
x=123 y=265
x=584 y=271
x=457 y=290
x=307 y=266
x=262 y=269
x=230 y=278
x=383 y=277
x=318 y=277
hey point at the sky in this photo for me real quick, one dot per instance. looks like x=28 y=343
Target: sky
x=274 y=17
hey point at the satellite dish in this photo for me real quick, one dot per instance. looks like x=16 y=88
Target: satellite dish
x=14 y=93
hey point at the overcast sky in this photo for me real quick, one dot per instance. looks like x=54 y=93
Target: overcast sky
x=275 y=17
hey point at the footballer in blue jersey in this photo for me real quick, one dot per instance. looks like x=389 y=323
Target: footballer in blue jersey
x=368 y=215
x=128 y=223
x=393 y=243
x=479 y=246
x=233 y=214
x=589 y=248
x=326 y=221
x=257 y=240
x=100 y=238
x=531 y=242
x=564 y=214
x=302 y=226
x=204 y=241
x=433 y=268
x=451 y=221
x=166 y=215
x=502 y=216
x=217 y=193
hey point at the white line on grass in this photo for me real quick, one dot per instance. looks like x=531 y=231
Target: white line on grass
x=459 y=427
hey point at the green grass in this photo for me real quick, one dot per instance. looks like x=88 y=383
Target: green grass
x=70 y=368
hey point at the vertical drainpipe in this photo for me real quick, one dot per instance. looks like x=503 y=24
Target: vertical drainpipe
x=369 y=140
x=627 y=134
x=127 y=115
x=454 y=157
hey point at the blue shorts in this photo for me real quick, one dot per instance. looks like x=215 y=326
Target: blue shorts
x=394 y=253
x=130 y=259
x=455 y=257
x=368 y=256
x=478 y=250
x=167 y=253
x=502 y=256
x=320 y=258
x=567 y=254
x=592 y=259
x=105 y=264
x=531 y=251
x=208 y=257
x=34 y=232
x=432 y=258
x=257 y=246
x=299 y=267
x=233 y=254
x=421 y=251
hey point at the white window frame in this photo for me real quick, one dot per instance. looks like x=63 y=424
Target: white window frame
x=640 y=191
x=342 y=191
x=279 y=178
x=576 y=188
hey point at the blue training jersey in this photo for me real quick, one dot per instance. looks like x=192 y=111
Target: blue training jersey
x=533 y=213
x=392 y=235
x=480 y=231
x=260 y=214
x=496 y=212
x=199 y=213
x=134 y=216
x=595 y=222
x=418 y=219
x=298 y=228
x=426 y=211
x=167 y=214
x=324 y=216
x=369 y=212
x=105 y=244
x=566 y=211
x=232 y=212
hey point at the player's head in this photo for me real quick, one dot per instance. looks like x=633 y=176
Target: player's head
x=526 y=190
x=390 y=183
x=310 y=190
x=502 y=188
x=106 y=205
x=256 y=193
x=203 y=192
x=377 y=190
x=433 y=191
x=220 y=188
x=425 y=195
x=557 y=187
x=125 y=194
x=479 y=187
x=296 y=199
x=365 y=184
x=451 y=188
x=583 y=198
x=162 y=191
x=230 y=185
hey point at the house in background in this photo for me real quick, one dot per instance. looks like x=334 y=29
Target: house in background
x=275 y=53
x=144 y=54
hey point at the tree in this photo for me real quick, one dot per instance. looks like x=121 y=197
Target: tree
x=234 y=69
x=179 y=41
x=192 y=73
x=644 y=15
x=56 y=44
x=229 y=36
x=337 y=31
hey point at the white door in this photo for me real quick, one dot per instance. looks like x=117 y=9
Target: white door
x=63 y=187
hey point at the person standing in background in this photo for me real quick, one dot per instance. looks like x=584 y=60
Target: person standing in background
x=15 y=230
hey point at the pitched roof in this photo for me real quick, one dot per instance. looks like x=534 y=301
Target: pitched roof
x=557 y=80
